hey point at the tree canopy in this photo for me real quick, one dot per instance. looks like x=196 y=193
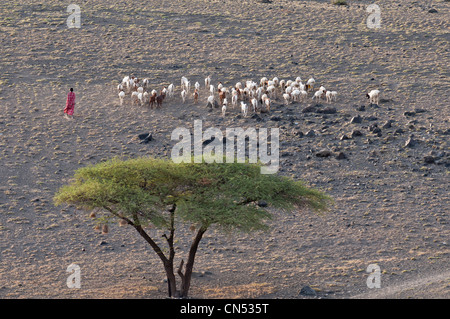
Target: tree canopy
x=146 y=191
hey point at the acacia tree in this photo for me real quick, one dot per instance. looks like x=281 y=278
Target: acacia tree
x=145 y=191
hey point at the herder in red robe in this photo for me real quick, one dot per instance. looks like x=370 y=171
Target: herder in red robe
x=70 y=104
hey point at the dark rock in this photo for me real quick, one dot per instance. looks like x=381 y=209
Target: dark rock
x=387 y=124
x=371 y=118
x=299 y=134
x=399 y=131
x=419 y=110
x=102 y=243
x=408 y=113
x=356 y=133
x=275 y=118
x=262 y=203
x=323 y=153
x=361 y=108
x=432 y=10
x=344 y=137
x=311 y=133
x=429 y=159
x=356 y=119
x=327 y=110
x=410 y=142
x=341 y=156
x=145 y=138
x=309 y=109
x=307 y=291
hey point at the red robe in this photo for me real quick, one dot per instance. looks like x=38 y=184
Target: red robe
x=70 y=104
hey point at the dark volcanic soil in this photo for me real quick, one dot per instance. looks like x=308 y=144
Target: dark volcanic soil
x=391 y=196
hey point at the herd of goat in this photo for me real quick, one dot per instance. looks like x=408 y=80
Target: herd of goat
x=258 y=96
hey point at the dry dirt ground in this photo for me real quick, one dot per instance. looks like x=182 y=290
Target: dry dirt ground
x=391 y=201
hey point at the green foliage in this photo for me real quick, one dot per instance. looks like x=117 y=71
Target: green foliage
x=339 y=2
x=224 y=194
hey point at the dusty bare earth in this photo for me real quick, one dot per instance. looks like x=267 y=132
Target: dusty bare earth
x=391 y=200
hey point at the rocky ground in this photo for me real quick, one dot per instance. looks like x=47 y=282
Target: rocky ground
x=386 y=165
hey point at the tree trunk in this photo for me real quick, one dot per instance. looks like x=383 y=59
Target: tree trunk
x=186 y=278
x=171 y=281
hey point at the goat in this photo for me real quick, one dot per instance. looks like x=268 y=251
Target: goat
x=152 y=99
x=159 y=100
x=211 y=100
x=183 y=95
x=121 y=97
x=195 y=95
x=310 y=84
x=331 y=95
x=287 y=98
x=254 y=104
x=222 y=95
x=207 y=82
x=170 y=90
x=373 y=96
x=134 y=97
x=234 y=98
x=318 y=95
x=267 y=102
x=244 y=109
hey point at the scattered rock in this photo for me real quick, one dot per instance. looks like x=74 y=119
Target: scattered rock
x=432 y=10
x=327 y=110
x=344 y=137
x=309 y=109
x=275 y=118
x=262 y=203
x=399 y=131
x=311 y=133
x=341 y=156
x=410 y=142
x=429 y=159
x=409 y=113
x=356 y=133
x=102 y=243
x=145 y=138
x=419 y=110
x=356 y=119
x=323 y=153
x=387 y=124
x=371 y=118
x=361 y=108
x=308 y=291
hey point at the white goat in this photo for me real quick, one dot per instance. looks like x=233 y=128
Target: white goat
x=331 y=95
x=255 y=104
x=287 y=98
x=310 y=84
x=244 y=109
x=373 y=96
x=318 y=95
x=134 y=98
x=183 y=95
x=121 y=97
x=170 y=90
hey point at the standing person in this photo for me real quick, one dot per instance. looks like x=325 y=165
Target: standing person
x=70 y=105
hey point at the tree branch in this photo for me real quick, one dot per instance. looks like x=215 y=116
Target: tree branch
x=180 y=268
